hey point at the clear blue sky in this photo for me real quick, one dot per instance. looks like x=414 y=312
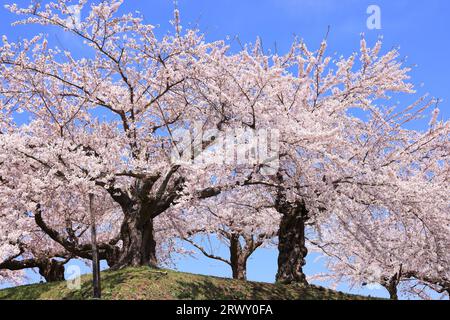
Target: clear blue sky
x=419 y=27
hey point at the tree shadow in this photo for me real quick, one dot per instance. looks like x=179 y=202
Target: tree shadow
x=111 y=282
x=244 y=290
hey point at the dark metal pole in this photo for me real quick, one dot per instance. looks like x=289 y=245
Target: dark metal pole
x=95 y=260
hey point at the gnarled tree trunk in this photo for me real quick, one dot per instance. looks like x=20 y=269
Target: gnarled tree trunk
x=52 y=270
x=140 y=208
x=393 y=293
x=137 y=231
x=139 y=245
x=292 y=250
x=391 y=287
x=391 y=283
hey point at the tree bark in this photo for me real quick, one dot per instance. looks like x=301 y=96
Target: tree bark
x=392 y=289
x=137 y=230
x=391 y=283
x=139 y=245
x=238 y=259
x=393 y=294
x=52 y=270
x=292 y=250
x=148 y=250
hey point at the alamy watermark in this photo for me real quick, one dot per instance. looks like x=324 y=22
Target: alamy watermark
x=374 y=19
x=241 y=146
x=73 y=277
x=375 y=273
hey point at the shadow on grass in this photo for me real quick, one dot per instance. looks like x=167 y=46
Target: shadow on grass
x=115 y=284
x=109 y=281
x=243 y=290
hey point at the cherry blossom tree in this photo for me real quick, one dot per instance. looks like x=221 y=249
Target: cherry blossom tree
x=399 y=239
x=339 y=144
x=139 y=81
x=328 y=157
x=28 y=245
x=24 y=247
x=242 y=220
x=375 y=246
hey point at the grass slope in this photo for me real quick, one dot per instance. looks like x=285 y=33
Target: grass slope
x=149 y=284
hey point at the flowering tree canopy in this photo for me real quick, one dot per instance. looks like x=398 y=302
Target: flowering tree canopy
x=243 y=219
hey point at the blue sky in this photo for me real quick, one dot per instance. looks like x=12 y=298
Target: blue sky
x=419 y=27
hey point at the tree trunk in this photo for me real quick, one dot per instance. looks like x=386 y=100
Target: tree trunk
x=238 y=260
x=392 y=289
x=139 y=245
x=391 y=283
x=148 y=251
x=52 y=270
x=239 y=271
x=393 y=295
x=291 y=245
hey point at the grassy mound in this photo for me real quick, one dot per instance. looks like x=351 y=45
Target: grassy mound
x=149 y=284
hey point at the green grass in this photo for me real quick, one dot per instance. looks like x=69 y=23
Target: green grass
x=149 y=284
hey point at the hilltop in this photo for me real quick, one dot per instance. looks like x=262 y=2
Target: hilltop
x=150 y=284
